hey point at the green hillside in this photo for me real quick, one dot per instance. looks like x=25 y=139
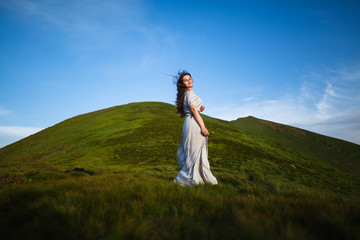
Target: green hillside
x=339 y=153
x=108 y=175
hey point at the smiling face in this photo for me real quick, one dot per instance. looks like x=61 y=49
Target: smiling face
x=188 y=82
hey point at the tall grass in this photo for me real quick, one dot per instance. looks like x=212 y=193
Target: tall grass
x=150 y=206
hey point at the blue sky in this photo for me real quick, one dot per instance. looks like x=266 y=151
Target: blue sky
x=292 y=62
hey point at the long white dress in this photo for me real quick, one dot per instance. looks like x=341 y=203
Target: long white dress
x=192 y=154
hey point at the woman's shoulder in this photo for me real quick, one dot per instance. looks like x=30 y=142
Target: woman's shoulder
x=190 y=93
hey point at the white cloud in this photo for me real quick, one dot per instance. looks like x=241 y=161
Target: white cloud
x=109 y=28
x=327 y=102
x=247 y=99
x=324 y=106
x=10 y=134
x=344 y=127
x=285 y=110
x=87 y=26
x=4 y=111
x=18 y=131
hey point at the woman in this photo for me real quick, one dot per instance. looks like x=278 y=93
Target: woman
x=192 y=154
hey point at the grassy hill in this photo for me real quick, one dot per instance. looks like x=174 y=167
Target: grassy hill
x=108 y=174
x=339 y=153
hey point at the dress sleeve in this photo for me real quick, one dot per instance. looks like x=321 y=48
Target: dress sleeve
x=195 y=100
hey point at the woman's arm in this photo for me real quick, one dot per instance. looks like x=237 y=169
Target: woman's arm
x=199 y=120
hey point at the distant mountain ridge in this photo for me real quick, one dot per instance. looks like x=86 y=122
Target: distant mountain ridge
x=340 y=153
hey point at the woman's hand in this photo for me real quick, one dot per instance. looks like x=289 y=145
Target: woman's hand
x=202 y=108
x=204 y=131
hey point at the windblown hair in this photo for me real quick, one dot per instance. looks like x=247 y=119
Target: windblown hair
x=178 y=79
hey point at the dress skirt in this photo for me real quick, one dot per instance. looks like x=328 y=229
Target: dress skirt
x=192 y=155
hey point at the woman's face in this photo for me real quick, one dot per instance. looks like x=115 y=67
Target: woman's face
x=187 y=80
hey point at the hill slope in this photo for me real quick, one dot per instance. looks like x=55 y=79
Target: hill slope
x=339 y=153
x=127 y=154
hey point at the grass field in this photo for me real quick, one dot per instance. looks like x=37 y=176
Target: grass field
x=109 y=175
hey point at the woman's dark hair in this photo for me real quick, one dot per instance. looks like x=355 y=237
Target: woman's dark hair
x=178 y=79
